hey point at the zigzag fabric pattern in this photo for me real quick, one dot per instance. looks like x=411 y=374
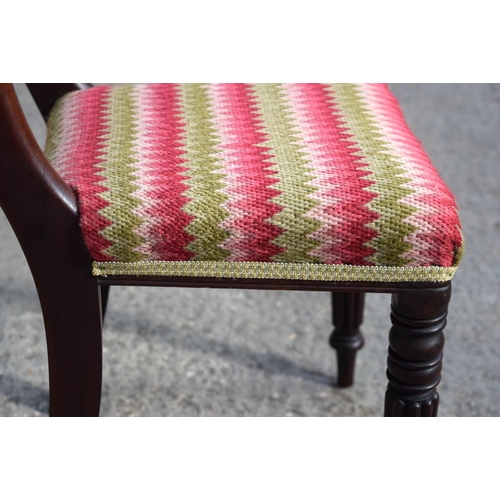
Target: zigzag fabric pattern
x=295 y=174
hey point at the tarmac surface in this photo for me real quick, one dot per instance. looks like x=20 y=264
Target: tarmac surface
x=202 y=352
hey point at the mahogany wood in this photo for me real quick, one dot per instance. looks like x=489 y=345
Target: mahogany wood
x=346 y=338
x=104 y=300
x=46 y=94
x=42 y=211
x=263 y=284
x=416 y=349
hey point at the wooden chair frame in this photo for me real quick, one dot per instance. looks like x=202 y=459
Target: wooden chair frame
x=42 y=210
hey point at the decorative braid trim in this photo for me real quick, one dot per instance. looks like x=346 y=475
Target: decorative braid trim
x=271 y=270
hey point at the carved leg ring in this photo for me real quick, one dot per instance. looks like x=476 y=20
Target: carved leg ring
x=346 y=338
x=416 y=350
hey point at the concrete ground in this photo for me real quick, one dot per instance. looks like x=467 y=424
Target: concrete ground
x=182 y=352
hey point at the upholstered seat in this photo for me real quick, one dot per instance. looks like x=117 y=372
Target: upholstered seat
x=304 y=181
x=294 y=187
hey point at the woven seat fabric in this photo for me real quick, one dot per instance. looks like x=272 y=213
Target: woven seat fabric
x=309 y=181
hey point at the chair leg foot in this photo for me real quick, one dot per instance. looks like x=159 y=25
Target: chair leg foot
x=396 y=406
x=416 y=351
x=346 y=338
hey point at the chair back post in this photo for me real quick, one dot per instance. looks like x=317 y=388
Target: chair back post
x=45 y=95
x=35 y=199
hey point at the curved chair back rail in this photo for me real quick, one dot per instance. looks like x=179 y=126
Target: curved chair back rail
x=33 y=195
x=42 y=210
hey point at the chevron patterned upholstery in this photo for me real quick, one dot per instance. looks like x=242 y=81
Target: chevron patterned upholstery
x=299 y=181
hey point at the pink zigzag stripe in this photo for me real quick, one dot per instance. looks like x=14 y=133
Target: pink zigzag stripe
x=248 y=182
x=78 y=157
x=160 y=175
x=342 y=211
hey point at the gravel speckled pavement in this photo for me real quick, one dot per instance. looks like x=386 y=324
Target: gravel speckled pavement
x=182 y=352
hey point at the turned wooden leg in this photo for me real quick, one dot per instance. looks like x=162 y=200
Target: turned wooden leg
x=346 y=338
x=416 y=349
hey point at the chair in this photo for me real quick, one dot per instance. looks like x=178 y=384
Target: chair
x=262 y=186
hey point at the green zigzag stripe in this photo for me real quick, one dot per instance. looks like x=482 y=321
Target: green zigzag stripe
x=388 y=174
x=206 y=204
x=293 y=174
x=119 y=170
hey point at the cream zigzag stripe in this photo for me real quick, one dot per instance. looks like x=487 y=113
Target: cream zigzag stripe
x=275 y=270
